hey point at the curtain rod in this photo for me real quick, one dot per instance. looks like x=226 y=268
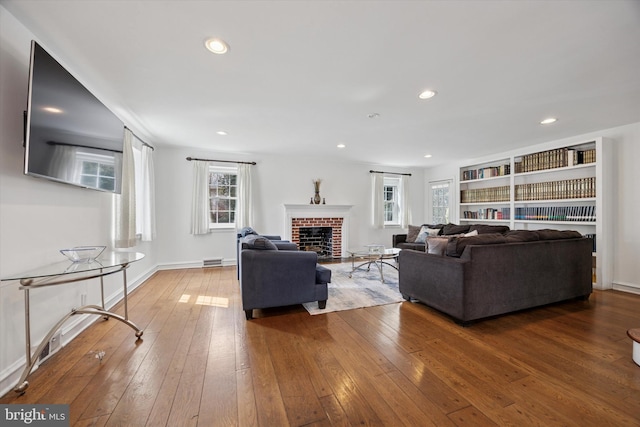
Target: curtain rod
x=139 y=139
x=82 y=146
x=391 y=173
x=221 y=161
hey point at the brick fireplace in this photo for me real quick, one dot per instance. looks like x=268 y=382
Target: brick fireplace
x=335 y=217
x=321 y=235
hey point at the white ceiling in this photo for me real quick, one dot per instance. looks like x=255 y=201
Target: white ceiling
x=303 y=76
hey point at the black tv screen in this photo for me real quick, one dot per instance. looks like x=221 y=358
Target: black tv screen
x=70 y=136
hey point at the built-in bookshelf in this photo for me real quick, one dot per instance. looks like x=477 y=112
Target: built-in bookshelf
x=558 y=186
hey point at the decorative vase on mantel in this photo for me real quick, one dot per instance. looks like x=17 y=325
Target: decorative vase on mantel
x=316 y=187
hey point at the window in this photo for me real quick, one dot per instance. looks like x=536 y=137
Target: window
x=391 y=205
x=97 y=171
x=440 y=201
x=223 y=196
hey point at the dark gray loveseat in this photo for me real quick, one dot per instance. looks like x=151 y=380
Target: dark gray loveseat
x=529 y=269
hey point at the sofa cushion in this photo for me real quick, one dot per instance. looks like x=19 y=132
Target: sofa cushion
x=414 y=246
x=450 y=229
x=254 y=241
x=437 y=245
x=456 y=245
x=485 y=229
x=547 y=234
x=514 y=236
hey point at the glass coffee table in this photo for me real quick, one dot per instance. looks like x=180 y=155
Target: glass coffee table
x=377 y=255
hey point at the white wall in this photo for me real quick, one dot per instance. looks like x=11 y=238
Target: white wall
x=625 y=176
x=38 y=218
x=277 y=180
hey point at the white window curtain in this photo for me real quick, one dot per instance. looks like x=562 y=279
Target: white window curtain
x=148 y=200
x=64 y=163
x=244 y=207
x=377 y=200
x=125 y=203
x=404 y=201
x=200 y=198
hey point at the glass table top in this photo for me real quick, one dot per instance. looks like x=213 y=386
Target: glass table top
x=374 y=250
x=105 y=261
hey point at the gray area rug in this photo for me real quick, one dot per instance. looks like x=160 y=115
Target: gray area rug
x=364 y=289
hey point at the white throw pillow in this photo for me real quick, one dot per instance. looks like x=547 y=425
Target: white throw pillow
x=426 y=232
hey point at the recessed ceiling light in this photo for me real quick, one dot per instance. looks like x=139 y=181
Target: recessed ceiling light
x=341 y=145
x=52 y=110
x=427 y=94
x=548 y=121
x=427 y=156
x=217 y=46
x=221 y=132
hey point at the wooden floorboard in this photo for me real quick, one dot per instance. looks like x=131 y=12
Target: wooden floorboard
x=200 y=363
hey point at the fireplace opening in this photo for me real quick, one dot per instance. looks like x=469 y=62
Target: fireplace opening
x=318 y=240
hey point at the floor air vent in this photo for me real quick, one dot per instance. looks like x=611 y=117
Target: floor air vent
x=212 y=262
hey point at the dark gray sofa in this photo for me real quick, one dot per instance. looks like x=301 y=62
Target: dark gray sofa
x=276 y=274
x=507 y=273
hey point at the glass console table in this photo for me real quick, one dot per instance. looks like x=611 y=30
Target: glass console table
x=67 y=272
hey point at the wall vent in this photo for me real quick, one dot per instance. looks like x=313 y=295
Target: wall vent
x=212 y=262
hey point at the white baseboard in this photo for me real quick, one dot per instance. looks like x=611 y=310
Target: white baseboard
x=627 y=287
x=192 y=264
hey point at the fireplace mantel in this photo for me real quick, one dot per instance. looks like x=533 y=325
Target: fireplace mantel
x=318 y=211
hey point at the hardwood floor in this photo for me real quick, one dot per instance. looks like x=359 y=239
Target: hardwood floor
x=200 y=363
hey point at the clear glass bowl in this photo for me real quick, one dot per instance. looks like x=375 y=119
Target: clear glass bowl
x=83 y=253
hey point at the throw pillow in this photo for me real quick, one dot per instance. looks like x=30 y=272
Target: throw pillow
x=437 y=245
x=254 y=241
x=426 y=232
x=412 y=233
x=450 y=229
x=471 y=233
x=247 y=231
x=484 y=228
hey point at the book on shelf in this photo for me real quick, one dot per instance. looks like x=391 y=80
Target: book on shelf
x=486 y=195
x=578 y=188
x=556 y=213
x=593 y=238
x=488 y=213
x=487 y=172
x=551 y=159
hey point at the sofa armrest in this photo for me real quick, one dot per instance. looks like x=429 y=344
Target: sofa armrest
x=285 y=245
x=323 y=274
x=398 y=238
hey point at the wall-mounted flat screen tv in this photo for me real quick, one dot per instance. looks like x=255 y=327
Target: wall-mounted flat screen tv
x=70 y=136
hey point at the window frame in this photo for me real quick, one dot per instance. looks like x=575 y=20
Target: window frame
x=393 y=183
x=225 y=170
x=437 y=185
x=83 y=158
